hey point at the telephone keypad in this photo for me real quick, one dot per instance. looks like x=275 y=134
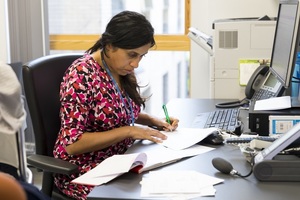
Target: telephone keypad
x=263 y=94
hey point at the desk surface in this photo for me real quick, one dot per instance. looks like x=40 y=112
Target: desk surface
x=234 y=188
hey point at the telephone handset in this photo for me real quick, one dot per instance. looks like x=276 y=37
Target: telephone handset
x=256 y=80
x=263 y=85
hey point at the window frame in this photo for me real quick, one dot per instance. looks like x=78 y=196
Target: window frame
x=164 y=42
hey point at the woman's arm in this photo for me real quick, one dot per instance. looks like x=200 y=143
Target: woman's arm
x=99 y=140
x=94 y=141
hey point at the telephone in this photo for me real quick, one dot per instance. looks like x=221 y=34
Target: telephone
x=261 y=85
x=256 y=80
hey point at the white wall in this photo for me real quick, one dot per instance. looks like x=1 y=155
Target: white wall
x=203 y=13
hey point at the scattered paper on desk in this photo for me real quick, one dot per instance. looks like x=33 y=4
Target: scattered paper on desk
x=275 y=103
x=183 y=138
x=159 y=155
x=189 y=184
x=167 y=156
x=111 y=168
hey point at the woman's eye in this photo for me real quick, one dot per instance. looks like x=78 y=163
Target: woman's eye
x=132 y=55
x=135 y=55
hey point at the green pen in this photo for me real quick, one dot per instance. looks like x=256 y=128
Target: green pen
x=166 y=113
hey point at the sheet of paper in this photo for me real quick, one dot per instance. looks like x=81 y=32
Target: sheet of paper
x=156 y=156
x=94 y=180
x=163 y=156
x=207 y=191
x=159 y=155
x=275 y=103
x=104 y=172
x=183 y=138
x=178 y=183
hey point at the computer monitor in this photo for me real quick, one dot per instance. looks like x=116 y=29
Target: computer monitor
x=286 y=41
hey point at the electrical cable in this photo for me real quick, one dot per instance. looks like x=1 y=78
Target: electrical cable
x=233 y=104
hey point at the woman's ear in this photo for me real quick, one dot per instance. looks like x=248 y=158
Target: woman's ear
x=110 y=47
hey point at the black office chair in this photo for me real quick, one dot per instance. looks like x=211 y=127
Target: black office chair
x=41 y=79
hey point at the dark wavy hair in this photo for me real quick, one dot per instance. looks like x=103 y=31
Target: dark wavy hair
x=127 y=30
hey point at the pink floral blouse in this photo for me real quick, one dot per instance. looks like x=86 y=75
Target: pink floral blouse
x=89 y=103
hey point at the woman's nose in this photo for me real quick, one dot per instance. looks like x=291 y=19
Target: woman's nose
x=135 y=63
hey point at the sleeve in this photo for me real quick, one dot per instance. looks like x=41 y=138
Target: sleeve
x=12 y=112
x=76 y=96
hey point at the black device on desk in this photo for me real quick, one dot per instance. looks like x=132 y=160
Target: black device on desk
x=259 y=119
x=269 y=166
x=215 y=138
x=263 y=85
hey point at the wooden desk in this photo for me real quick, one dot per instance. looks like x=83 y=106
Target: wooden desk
x=233 y=188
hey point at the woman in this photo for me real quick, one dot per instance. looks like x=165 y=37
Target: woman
x=100 y=101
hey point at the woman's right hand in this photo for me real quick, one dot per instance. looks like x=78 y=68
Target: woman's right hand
x=146 y=133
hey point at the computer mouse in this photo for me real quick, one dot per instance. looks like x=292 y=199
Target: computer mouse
x=215 y=138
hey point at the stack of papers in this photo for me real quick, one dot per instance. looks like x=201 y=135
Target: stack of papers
x=161 y=156
x=144 y=157
x=137 y=162
x=178 y=184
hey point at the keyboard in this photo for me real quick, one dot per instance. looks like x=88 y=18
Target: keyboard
x=224 y=119
x=238 y=140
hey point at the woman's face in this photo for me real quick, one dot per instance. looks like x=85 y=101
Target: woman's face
x=124 y=61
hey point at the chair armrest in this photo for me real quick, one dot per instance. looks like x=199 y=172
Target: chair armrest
x=51 y=164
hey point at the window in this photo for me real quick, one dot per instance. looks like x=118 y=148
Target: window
x=75 y=25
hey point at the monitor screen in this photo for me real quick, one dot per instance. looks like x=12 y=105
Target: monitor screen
x=285 y=44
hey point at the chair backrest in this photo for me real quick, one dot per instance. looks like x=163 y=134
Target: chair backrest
x=41 y=79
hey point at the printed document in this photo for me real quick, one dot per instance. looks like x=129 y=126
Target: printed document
x=183 y=138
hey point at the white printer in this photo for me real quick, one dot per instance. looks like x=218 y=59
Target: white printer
x=235 y=41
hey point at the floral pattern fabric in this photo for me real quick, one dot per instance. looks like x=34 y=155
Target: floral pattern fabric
x=90 y=102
